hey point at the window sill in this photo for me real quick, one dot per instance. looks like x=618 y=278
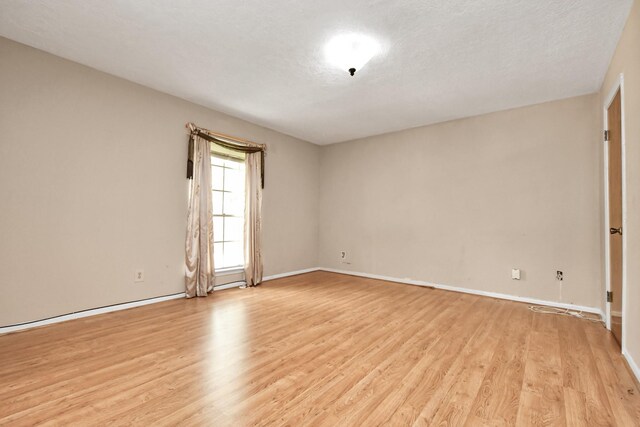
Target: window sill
x=229 y=271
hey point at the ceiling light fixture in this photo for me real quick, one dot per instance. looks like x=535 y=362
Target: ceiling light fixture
x=351 y=51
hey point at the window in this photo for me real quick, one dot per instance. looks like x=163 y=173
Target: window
x=227 y=182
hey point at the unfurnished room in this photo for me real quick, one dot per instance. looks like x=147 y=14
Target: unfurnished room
x=320 y=213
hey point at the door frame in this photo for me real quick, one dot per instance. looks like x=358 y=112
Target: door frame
x=618 y=85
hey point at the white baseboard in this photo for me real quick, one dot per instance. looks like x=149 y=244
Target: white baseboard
x=87 y=313
x=229 y=285
x=632 y=363
x=126 y=305
x=472 y=291
x=290 y=273
x=266 y=278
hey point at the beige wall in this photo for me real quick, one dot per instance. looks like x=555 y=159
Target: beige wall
x=627 y=61
x=92 y=186
x=461 y=203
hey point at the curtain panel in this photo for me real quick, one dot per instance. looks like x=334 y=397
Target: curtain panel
x=253 y=220
x=200 y=269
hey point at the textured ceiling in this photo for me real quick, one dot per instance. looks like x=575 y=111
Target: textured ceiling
x=263 y=60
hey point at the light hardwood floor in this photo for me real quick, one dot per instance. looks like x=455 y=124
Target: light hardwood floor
x=318 y=349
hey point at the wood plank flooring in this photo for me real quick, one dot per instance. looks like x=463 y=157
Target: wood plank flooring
x=318 y=349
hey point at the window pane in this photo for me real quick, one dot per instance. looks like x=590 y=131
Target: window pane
x=215 y=160
x=216 y=177
x=234 y=180
x=228 y=182
x=218 y=256
x=218 y=228
x=217 y=203
x=233 y=254
x=234 y=204
x=233 y=164
x=233 y=228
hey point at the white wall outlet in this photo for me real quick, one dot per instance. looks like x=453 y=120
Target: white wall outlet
x=139 y=276
x=515 y=273
x=344 y=257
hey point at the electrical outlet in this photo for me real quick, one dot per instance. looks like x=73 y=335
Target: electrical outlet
x=559 y=275
x=139 y=276
x=515 y=273
x=343 y=255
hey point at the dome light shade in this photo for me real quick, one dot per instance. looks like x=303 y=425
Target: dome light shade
x=350 y=52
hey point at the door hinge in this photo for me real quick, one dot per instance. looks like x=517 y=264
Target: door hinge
x=609 y=296
x=606 y=135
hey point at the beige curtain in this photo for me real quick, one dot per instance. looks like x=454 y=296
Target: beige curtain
x=200 y=271
x=253 y=220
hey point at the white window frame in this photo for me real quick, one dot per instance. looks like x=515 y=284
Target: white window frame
x=223 y=271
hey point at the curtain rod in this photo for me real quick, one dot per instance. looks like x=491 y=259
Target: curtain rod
x=227 y=141
x=193 y=128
